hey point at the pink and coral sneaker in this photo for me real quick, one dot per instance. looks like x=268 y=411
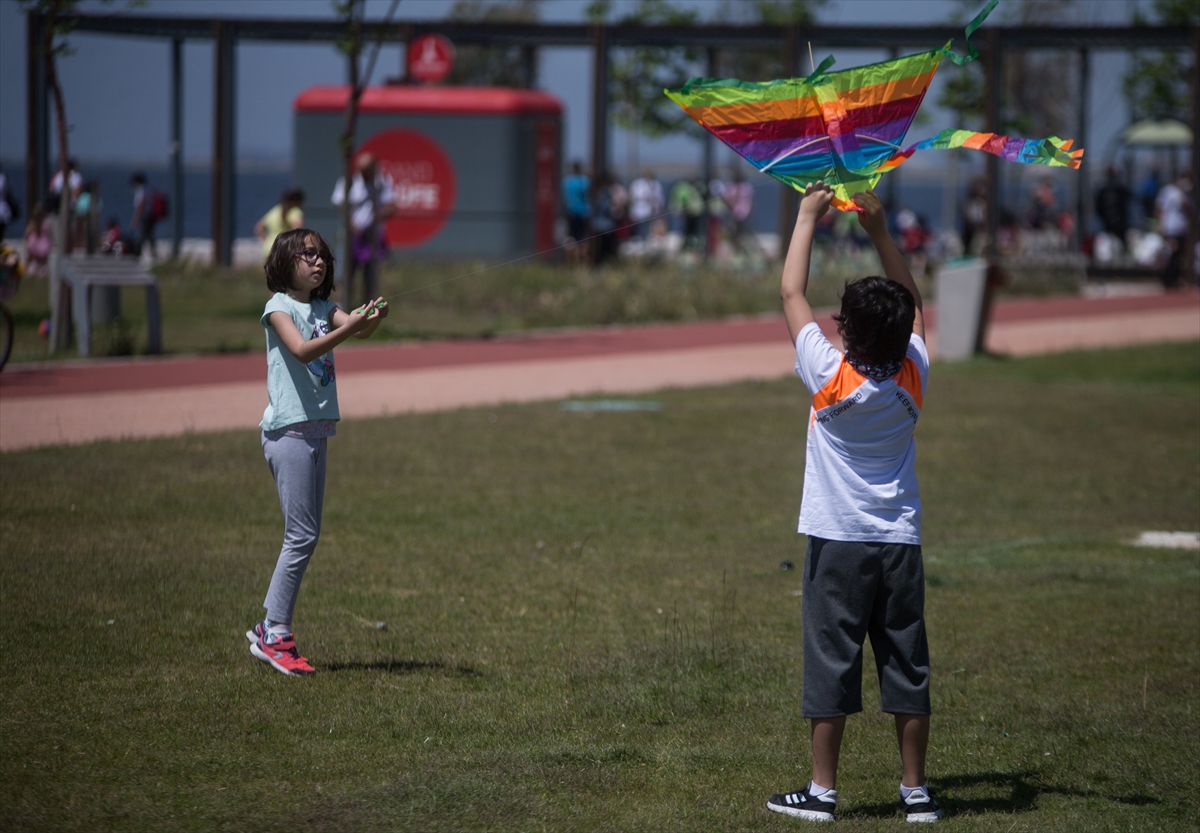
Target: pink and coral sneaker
x=281 y=653
x=257 y=632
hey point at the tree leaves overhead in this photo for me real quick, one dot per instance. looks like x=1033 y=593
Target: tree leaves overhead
x=638 y=76
x=1156 y=86
x=491 y=66
x=1040 y=88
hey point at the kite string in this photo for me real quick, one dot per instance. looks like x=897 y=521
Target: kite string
x=541 y=253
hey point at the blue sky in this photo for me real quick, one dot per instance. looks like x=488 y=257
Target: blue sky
x=117 y=89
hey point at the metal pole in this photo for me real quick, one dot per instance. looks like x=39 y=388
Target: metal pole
x=37 y=128
x=1082 y=215
x=599 y=101
x=176 y=146
x=529 y=67
x=789 y=203
x=224 y=162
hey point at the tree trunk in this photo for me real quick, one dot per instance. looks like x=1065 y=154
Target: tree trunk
x=347 y=143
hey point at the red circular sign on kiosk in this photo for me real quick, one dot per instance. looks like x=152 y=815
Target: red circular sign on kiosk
x=425 y=186
x=430 y=58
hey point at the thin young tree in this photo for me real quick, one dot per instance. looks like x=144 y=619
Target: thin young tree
x=353 y=14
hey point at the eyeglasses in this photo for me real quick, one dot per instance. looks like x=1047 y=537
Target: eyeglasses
x=309 y=255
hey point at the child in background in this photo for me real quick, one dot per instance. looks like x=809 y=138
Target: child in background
x=288 y=214
x=39 y=240
x=302 y=328
x=863 y=574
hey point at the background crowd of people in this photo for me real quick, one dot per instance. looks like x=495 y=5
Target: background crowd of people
x=607 y=217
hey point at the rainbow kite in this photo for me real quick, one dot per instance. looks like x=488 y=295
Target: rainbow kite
x=845 y=127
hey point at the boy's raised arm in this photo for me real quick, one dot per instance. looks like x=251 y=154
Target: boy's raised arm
x=796 y=308
x=875 y=225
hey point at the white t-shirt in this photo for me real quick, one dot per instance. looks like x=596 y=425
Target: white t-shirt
x=1170 y=205
x=860 y=480
x=298 y=393
x=646 y=199
x=362 y=213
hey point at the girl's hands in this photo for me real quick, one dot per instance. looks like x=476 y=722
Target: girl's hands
x=377 y=308
x=357 y=320
x=817 y=197
x=871 y=217
x=363 y=321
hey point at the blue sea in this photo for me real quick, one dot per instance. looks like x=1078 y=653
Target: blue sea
x=255 y=192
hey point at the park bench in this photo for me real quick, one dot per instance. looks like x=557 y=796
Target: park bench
x=85 y=272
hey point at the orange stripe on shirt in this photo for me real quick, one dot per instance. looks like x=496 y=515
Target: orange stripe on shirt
x=845 y=382
x=909 y=379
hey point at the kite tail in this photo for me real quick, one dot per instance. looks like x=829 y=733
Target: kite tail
x=1053 y=151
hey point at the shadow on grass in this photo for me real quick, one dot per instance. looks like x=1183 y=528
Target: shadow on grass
x=404 y=666
x=1023 y=792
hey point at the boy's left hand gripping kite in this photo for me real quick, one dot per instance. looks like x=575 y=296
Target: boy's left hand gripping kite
x=846 y=127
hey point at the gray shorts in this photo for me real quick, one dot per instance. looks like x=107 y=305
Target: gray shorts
x=853 y=590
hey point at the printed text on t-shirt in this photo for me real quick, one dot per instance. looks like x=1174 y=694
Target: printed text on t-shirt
x=841 y=408
x=904 y=400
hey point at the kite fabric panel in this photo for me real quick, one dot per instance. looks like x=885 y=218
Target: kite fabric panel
x=845 y=127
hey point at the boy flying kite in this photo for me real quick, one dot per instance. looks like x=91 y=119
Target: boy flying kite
x=863 y=574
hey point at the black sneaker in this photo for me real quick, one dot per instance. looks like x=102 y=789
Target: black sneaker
x=803 y=806
x=921 y=807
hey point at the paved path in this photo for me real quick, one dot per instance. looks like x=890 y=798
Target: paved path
x=77 y=402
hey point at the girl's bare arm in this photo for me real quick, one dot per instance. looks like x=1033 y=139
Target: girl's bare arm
x=307 y=351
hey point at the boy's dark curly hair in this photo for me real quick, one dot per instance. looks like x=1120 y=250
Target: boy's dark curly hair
x=281 y=262
x=876 y=320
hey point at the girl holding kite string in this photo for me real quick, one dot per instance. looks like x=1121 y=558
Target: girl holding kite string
x=302 y=327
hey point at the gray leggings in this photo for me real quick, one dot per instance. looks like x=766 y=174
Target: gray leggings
x=298 y=467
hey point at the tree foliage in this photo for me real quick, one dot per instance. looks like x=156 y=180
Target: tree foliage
x=492 y=66
x=1156 y=86
x=1039 y=87
x=762 y=64
x=638 y=76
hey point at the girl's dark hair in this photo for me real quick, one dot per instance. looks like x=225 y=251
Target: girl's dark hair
x=281 y=262
x=876 y=320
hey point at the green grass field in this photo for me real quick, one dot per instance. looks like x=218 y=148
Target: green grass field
x=587 y=623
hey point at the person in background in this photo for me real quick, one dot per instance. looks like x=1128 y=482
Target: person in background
x=114 y=241
x=645 y=202
x=1112 y=205
x=87 y=208
x=145 y=218
x=9 y=208
x=604 y=221
x=1175 y=212
x=974 y=218
x=1148 y=193
x=39 y=240
x=74 y=184
x=287 y=215
x=687 y=201
x=60 y=197
x=739 y=197
x=372 y=199
x=577 y=201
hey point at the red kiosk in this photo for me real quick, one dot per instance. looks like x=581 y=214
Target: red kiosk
x=476 y=169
